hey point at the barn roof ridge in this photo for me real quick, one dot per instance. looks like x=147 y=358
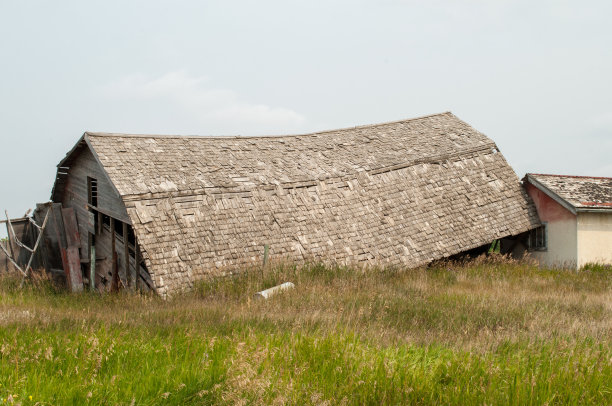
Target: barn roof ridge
x=229 y=137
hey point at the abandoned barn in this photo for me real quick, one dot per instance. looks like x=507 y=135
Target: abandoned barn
x=161 y=212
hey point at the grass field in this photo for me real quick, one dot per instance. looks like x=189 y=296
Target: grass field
x=489 y=332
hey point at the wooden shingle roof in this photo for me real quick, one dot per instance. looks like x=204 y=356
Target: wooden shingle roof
x=401 y=193
x=577 y=193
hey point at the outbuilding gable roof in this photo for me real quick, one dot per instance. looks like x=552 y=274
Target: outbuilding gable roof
x=577 y=193
x=401 y=193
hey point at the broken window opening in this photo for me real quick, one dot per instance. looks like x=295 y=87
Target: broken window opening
x=538 y=238
x=92 y=191
x=131 y=236
x=118 y=227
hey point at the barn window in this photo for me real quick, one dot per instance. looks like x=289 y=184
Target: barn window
x=538 y=238
x=92 y=191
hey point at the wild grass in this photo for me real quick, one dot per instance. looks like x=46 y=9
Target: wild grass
x=492 y=331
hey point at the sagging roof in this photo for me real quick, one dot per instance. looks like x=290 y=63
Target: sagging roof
x=576 y=193
x=400 y=193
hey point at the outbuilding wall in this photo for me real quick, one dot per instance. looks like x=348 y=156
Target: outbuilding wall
x=562 y=244
x=594 y=238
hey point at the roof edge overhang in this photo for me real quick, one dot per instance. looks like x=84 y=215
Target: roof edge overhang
x=594 y=210
x=551 y=194
x=62 y=164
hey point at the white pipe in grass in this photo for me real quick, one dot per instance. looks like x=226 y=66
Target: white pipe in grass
x=266 y=294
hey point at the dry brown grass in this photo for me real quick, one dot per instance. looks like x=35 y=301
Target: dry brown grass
x=452 y=322
x=473 y=306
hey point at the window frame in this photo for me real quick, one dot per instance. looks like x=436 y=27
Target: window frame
x=541 y=241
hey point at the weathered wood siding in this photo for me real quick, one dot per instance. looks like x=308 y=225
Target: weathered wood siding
x=105 y=261
x=75 y=194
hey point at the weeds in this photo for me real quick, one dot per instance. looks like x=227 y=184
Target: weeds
x=486 y=332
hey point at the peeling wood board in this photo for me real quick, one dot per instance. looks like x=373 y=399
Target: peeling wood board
x=65 y=262
x=72 y=228
x=73 y=277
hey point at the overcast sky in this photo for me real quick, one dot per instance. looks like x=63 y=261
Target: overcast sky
x=535 y=76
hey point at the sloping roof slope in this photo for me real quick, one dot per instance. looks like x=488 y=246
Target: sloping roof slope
x=580 y=192
x=401 y=193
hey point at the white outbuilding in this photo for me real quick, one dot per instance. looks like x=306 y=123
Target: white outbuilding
x=576 y=215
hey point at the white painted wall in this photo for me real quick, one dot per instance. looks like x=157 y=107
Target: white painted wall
x=594 y=232
x=562 y=237
x=562 y=245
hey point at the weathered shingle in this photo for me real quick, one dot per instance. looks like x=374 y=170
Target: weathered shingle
x=401 y=193
x=581 y=192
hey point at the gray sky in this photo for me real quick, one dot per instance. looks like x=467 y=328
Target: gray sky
x=535 y=76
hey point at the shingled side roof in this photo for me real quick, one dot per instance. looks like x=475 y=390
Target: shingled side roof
x=577 y=193
x=401 y=193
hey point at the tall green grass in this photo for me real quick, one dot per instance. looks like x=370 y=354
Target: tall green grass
x=488 y=332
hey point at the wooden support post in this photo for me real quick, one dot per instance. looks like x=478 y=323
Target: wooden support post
x=100 y=222
x=115 y=281
x=115 y=273
x=92 y=263
x=126 y=256
x=137 y=263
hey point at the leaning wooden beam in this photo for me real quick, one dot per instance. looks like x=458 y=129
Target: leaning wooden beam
x=40 y=234
x=11 y=259
x=34 y=223
x=17 y=219
x=12 y=231
x=8 y=233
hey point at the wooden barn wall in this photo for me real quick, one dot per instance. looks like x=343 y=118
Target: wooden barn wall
x=104 y=262
x=54 y=237
x=75 y=194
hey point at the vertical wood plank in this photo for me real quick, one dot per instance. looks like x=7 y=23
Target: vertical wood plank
x=100 y=221
x=126 y=255
x=92 y=263
x=137 y=262
x=115 y=273
x=9 y=241
x=115 y=281
x=71 y=227
x=74 y=276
